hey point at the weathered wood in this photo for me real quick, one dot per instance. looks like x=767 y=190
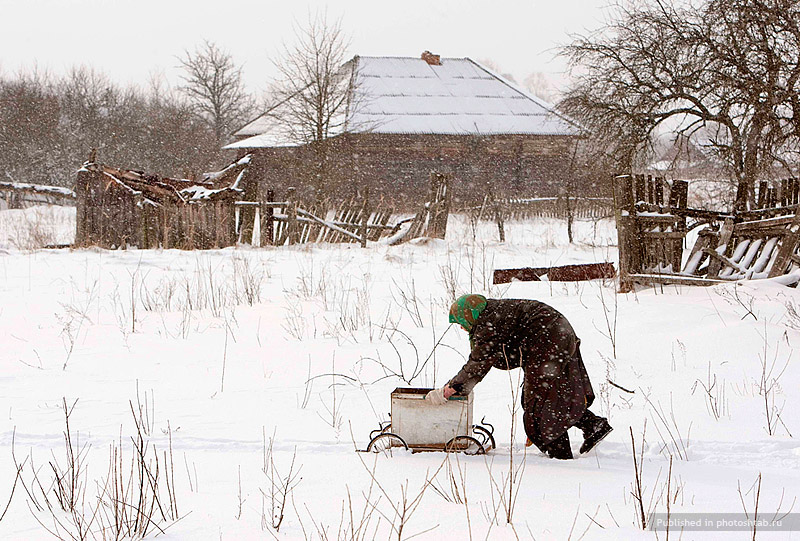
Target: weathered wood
x=439 y=205
x=762 y=195
x=640 y=194
x=662 y=235
x=266 y=213
x=696 y=255
x=724 y=239
x=563 y=273
x=659 y=199
x=624 y=215
x=320 y=221
x=722 y=260
x=291 y=216
x=364 y=217
x=673 y=279
x=788 y=247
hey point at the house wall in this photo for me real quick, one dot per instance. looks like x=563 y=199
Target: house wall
x=397 y=167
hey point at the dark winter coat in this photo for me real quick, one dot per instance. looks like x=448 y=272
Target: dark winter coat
x=512 y=333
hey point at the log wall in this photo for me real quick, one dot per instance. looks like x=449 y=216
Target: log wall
x=397 y=167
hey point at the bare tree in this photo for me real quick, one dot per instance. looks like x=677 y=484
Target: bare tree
x=722 y=73
x=213 y=84
x=314 y=89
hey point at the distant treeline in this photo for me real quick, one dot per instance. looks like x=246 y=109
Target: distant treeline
x=49 y=125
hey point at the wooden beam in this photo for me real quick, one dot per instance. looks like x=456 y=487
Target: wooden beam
x=676 y=279
x=327 y=224
x=723 y=260
x=563 y=273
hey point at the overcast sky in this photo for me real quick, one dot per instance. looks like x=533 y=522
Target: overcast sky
x=131 y=39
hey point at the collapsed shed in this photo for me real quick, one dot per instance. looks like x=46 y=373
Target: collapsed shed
x=119 y=208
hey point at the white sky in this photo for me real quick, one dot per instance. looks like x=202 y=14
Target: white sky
x=131 y=39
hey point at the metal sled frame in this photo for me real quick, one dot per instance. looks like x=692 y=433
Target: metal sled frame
x=479 y=443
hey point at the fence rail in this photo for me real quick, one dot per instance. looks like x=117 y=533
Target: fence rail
x=522 y=208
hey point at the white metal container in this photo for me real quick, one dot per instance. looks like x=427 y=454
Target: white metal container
x=423 y=425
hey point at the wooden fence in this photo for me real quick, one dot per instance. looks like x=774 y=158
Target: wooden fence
x=117 y=208
x=523 y=208
x=288 y=222
x=18 y=195
x=653 y=220
x=355 y=220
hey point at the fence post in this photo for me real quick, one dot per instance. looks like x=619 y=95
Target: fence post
x=641 y=190
x=364 y=217
x=82 y=201
x=291 y=215
x=660 y=191
x=627 y=236
x=497 y=208
x=569 y=216
x=265 y=214
x=680 y=190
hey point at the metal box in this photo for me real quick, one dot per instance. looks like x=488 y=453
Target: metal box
x=423 y=425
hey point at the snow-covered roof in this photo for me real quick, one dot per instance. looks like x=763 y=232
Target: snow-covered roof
x=398 y=95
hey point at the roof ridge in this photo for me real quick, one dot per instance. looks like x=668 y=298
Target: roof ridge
x=395 y=57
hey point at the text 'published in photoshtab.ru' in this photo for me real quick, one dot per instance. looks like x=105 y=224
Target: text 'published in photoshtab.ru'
x=725 y=522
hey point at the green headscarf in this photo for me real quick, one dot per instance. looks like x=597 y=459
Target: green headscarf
x=466 y=309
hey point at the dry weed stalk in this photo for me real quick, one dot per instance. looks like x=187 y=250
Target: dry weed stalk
x=673 y=442
x=715 y=395
x=279 y=487
x=402 y=369
x=769 y=386
x=131 y=502
x=404 y=508
x=72 y=320
x=638 y=489
x=507 y=489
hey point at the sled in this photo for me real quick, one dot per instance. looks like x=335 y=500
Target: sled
x=419 y=426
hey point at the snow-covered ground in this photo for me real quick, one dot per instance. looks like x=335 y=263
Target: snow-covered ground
x=231 y=353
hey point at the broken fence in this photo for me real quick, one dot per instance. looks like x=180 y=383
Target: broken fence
x=653 y=221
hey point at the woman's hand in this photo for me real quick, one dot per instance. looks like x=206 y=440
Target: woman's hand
x=438 y=397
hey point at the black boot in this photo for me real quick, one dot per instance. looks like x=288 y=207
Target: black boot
x=594 y=429
x=559 y=448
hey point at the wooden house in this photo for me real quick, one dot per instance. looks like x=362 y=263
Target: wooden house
x=410 y=116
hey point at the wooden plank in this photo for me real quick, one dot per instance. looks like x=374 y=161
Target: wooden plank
x=641 y=194
x=795 y=191
x=563 y=273
x=673 y=279
x=768 y=256
x=780 y=222
x=320 y=221
x=663 y=234
x=724 y=239
x=659 y=191
x=696 y=255
x=722 y=260
x=761 y=202
x=266 y=212
x=787 y=248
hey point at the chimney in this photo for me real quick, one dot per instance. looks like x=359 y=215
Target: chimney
x=432 y=59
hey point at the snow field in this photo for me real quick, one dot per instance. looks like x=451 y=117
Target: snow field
x=303 y=345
